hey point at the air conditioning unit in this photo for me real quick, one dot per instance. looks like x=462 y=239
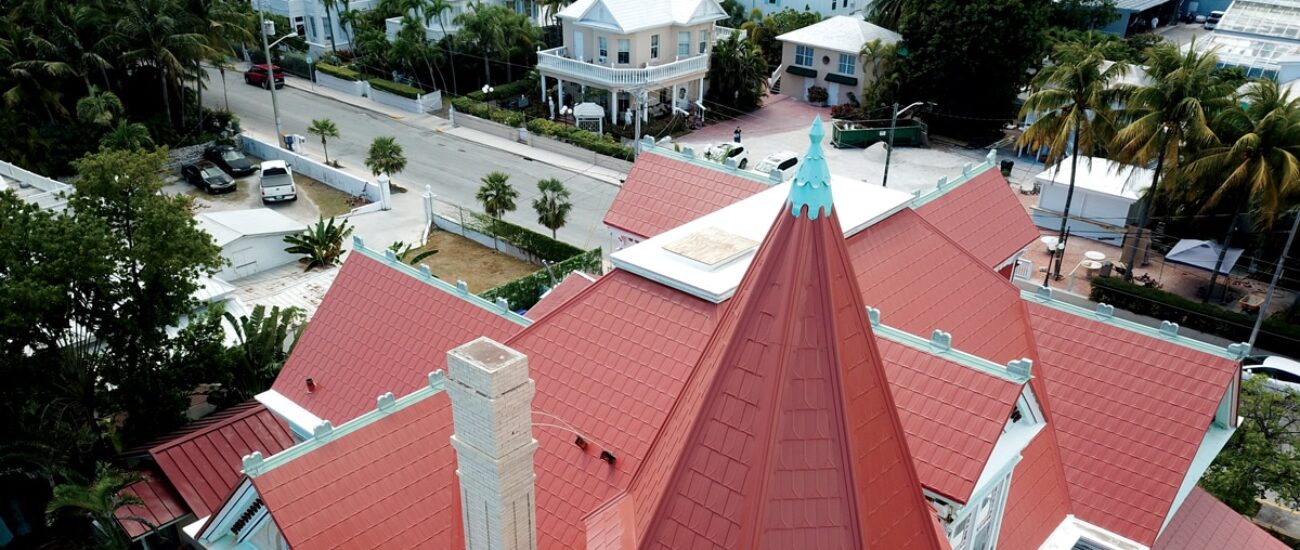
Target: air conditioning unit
x=602 y=60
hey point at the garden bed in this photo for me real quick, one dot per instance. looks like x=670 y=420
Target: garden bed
x=461 y=259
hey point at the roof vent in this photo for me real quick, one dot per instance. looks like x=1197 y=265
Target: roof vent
x=711 y=248
x=608 y=457
x=311 y=386
x=581 y=443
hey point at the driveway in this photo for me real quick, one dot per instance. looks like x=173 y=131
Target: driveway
x=246 y=196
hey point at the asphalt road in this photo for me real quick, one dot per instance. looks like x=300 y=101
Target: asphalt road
x=453 y=166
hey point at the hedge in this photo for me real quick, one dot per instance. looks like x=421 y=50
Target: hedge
x=523 y=86
x=1275 y=334
x=396 y=88
x=526 y=291
x=290 y=62
x=338 y=72
x=539 y=247
x=483 y=110
x=605 y=145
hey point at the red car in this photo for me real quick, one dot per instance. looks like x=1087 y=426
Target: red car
x=257 y=76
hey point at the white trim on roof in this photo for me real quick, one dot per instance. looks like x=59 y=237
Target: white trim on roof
x=300 y=419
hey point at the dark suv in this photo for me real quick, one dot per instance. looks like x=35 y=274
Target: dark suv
x=257 y=76
x=230 y=160
x=208 y=177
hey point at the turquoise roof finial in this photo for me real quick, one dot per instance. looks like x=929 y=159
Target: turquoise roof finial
x=812 y=183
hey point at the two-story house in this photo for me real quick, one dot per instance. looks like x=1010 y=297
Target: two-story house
x=828 y=54
x=826 y=8
x=655 y=50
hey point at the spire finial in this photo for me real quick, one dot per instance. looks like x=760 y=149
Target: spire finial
x=812 y=183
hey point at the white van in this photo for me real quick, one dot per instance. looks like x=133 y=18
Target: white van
x=1213 y=20
x=277 y=182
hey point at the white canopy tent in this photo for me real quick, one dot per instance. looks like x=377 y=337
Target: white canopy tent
x=1203 y=254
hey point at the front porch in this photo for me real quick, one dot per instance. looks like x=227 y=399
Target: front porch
x=653 y=91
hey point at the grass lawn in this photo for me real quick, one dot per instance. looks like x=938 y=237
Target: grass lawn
x=481 y=267
x=329 y=200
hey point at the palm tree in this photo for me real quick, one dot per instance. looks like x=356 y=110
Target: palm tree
x=385 y=157
x=497 y=197
x=331 y=6
x=487 y=27
x=98 y=108
x=127 y=136
x=99 y=502
x=74 y=30
x=1167 y=118
x=437 y=9
x=737 y=73
x=324 y=128
x=160 y=42
x=321 y=245
x=1073 y=104
x=553 y=205
x=886 y=13
x=1255 y=159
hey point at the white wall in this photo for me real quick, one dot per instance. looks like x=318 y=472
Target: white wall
x=254 y=254
x=327 y=175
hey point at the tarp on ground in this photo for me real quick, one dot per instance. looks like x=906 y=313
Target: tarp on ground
x=1202 y=254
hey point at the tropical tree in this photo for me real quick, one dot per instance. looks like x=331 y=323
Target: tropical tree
x=265 y=340
x=1166 y=119
x=1254 y=162
x=437 y=9
x=321 y=245
x=98 y=108
x=737 y=73
x=330 y=7
x=410 y=253
x=326 y=129
x=99 y=502
x=160 y=42
x=497 y=197
x=1072 y=102
x=385 y=157
x=552 y=205
x=1263 y=454
x=127 y=136
x=497 y=31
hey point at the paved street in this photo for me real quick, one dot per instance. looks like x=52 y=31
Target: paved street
x=451 y=165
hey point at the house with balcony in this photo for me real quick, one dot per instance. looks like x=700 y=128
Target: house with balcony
x=619 y=53
x=828 y=54
x=322 y=31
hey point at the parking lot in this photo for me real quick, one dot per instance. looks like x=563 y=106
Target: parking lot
x=315 y=199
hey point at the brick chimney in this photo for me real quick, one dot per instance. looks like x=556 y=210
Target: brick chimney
x=491 y=404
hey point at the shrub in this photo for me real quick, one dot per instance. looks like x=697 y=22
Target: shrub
x=1275 y=334
x=395 y=88
x=483 y=110
x=539 y=247
x=817 y=94
x=523 y=86
x=524 y=292
x=338 y=72
x=605 y=145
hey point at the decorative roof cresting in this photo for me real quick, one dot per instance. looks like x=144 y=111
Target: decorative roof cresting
x=812 y=184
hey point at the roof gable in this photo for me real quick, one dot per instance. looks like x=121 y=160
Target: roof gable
x=840 y=33
x=662 y=192
x=984 y=217
x=598 y=13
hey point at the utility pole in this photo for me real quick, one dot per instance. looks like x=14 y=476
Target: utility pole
x=1272 y=285
x=270 y=69
x=889 y=151
x=638 y=99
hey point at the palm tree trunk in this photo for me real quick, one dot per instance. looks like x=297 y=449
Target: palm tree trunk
x=1223 y=252
x=487 y=69
x=167 y=102
x=451 y=47
x=325 y=147
x=1144 y=213
x=224 y=91
x=1069 y=197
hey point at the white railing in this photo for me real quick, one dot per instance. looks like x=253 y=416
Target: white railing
x=722 y=33
x=557 y=62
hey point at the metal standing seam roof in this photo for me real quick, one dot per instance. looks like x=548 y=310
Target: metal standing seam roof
x=662 y=192
x=1204 y=523
x=381 y=329
x=227 y=226
x=1130 y=411
x=203 y=462
x=983 y=215
x=159 y=506
x=568 y=288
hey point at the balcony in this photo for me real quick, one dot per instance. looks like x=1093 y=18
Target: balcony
x=556 y=63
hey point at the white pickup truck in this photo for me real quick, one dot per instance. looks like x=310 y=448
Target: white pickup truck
x=277 y=182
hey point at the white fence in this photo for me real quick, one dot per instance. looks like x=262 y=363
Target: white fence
x=318 y=171
x=454 y=218
x=351 y=87
x=424 y=104
x=48 y=195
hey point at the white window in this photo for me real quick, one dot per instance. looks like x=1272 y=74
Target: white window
x=312 y=28
x=803 y=56
x=977 y=524
x=848 y=63
x=602 y=48
x=684 y=44
x=654 y=46
x=833 y=4
x=704 y=42
x=328 y=25
x=624 y=51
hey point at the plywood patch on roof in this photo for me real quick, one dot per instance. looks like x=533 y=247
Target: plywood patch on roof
x=711 y=247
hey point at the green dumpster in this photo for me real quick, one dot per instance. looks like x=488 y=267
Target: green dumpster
x=865 y=133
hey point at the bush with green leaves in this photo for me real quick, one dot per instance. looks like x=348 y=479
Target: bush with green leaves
x=410 y=92
x=605 y=145
x=523 y=86
x=483 y=110
x=343 y=73
x=524 y=292
x=321 y=245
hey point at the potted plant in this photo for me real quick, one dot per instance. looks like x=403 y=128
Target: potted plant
x=817 y=95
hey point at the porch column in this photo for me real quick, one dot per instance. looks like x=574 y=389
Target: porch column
x=559 y=93
x=701 y=90
x=542 y=81
x=613 y=107
x=673 y=102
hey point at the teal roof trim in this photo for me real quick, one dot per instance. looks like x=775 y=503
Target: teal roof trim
x=423 y=274
x=968 y=172
x=255 y=464
x=940 y=345
x=812 y=183
x=1106 y=314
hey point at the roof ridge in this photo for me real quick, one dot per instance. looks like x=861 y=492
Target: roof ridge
x=255 y=464
x=939 y=344
x=663 y=151
x=388 y=257
x=944 y=185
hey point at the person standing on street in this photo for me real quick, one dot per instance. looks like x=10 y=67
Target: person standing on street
x=736 y=135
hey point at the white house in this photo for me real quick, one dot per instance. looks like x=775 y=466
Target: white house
x=251 y=241
x=1104 y=193
x=323 y=32
x=435 y=25
x=828 y=8
x=828 y=54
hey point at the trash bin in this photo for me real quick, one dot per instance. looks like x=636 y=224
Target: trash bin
x=288 y=141
x=1106 y=266
x=1006 y=168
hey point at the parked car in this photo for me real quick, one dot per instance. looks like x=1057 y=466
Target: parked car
x=208 y=177
x=277 y=182
x=723 y=151
x=1282 y=373
x=257 y=76
x=230 y=160
x=1213 y=20
x=787 y=162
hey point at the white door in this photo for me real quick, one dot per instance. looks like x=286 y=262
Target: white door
x=807 y=83
x=577 y=46
x=832 y=93
x=244 y=262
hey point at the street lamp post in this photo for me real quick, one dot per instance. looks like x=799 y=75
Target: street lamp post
x=270 y=69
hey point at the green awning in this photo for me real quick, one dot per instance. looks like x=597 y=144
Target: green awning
x=850 y=80
x=801 y=71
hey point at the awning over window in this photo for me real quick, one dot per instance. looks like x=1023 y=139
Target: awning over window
x=851 y=81
x=801 y=71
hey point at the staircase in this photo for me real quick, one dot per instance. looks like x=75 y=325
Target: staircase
x=774 y=82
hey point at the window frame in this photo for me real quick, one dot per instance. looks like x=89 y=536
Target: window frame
x=852 y=64
x=704 y=42
x=624 y=51
x=804 y=53
x=654 y=46
x=684 y=44
x=602 y=49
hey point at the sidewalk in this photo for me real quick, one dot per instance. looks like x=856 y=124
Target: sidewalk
x=444 y=126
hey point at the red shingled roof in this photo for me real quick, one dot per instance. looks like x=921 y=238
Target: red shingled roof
x=160 y=505
x=1038 y=499
x=389 y=484
x=379 y=330
x=204 y=463
x=1204 y=523
x=661 y=193
x=984 y=216
x=786 y=433
x=1130 y=411
x=567 y=289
